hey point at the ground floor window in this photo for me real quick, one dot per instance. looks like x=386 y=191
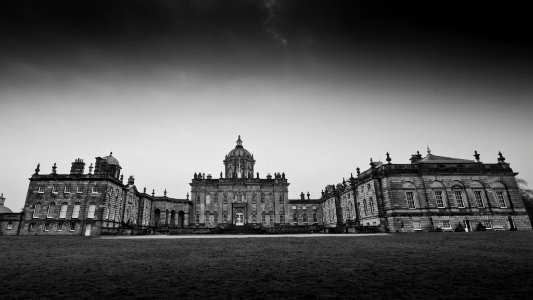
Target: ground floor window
x=72 y=226
x=315 y=220
x=60 y=226
x=271 y=218
x=47 y=226
x=9 y=225
x=446 y=224
x=295 y=218
x=31 y=227
x=197 y=218
x=281 y=217
x=487 y=224
x=416 y=225
x=263 y=219
x=225 y=217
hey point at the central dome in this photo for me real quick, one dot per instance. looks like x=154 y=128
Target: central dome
x=239 y=162
x=239 y=150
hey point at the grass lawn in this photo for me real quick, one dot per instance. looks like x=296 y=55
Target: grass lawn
x=398 y=266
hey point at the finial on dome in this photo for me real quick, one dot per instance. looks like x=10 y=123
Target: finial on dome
x=239 y=141
x=165 y=192
x=429 y=150
x=111 y=153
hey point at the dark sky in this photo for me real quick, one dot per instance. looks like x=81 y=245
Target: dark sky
x=255 y=32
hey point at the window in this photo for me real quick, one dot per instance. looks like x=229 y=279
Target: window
x=225 y=199
x=47 y=226
x=262 y=198
x=349 y=196
x=215 y=198
x=72 y=226
x=197 y=218
x=198 y=199
x=416 y=225
x=304 y=207
x=76 y=211
x=31 y=227
x=295 y=218
x=410 y=199
x=459 y=199
x=263 y=219
x=478 y=198
x=79 y=189
x=92 y=209
x=294 y=207
x=304 y=217
x=41 y=189
x=364 y=205
x=501 y=199
x=368 y=187
x=438 y=199
x=55 y=188
x=446 y=224
x=67 y=189
x=314 y=207
x=50 y=212
x=225 y=216
x=36 y=210
x=60 y=226
x=487 y=224
x=254 y=219
x=281 y=199
x=271 y=218
x=374 y=223
x=108 y=211
x=94 y=189
x=315 y=220
x=281 y=217
x=371 y=205
x=254 y=198
x=9 y=225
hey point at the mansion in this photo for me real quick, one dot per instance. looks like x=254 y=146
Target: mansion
x=431 y=193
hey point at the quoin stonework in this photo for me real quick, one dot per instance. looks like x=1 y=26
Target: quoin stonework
x=430 y=193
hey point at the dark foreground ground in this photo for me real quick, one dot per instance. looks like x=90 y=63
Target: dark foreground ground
x=480 y=265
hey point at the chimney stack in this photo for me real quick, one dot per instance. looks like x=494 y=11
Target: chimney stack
x=78 y=167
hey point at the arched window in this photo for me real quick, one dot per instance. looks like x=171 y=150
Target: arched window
x=72 y=226
x=36 y=210
x=50 y=212
x=63 y=212
x=173 y=218
x=409 y=190
x=108 y=211
x=157 y=216
x=364 y=206
x=92 y=209
x=371 y=203
x=167 y=217
x=478 y=191
x=76 y=211
x=439 y=192
x=458 y=194
x=47 y=226
x=281 y=198
x=500 y=193
x=262 y=197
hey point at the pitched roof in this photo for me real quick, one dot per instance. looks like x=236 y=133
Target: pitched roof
x=435 y=159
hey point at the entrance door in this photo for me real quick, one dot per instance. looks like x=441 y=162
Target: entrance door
x=467 y=226
x=239 y=218
x=88 y=230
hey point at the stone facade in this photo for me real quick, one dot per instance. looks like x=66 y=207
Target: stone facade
x=238 y=198
x=433 y=193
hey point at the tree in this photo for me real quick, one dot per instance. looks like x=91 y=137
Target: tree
x=527 y=196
